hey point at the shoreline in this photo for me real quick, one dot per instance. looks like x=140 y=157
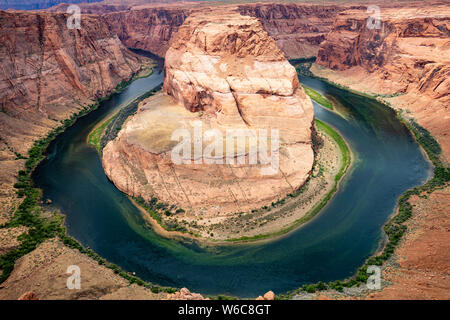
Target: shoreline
x=395 y=214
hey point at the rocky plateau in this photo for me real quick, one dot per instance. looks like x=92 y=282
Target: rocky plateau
x=48 y=71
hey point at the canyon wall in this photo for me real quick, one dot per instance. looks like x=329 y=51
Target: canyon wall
x=147 y=29
x=49 y=72
x=298 y=29
x=406 y=60
x=222 y=72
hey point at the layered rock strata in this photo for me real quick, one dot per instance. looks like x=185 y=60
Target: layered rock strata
x=406 y=61
x=223 y=72
x=48 y=72
x=298 y=29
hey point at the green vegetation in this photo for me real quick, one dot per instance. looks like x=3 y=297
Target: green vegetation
x=306 y=60
x=395 y=228
x=29 y=212
x=72 y=243
x=345 y=151
x=303 y=65
x=42 y=227
x=142 y=74
x=317 y=97
x=96 y=134
x=17 y=154
x=346 y=159
x=222 y=297
x=156 y=209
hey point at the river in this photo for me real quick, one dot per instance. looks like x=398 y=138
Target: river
x=331 y=246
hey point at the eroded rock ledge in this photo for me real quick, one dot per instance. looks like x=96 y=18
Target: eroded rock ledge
x=224 y=72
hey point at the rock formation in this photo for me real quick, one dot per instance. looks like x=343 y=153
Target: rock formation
x=28 y=296
x=407 y=59
x=42 y=274
x=185 y=294
x=269 y=295
x=48 y=72
x=298 y=29
x=147 y=29
x=223 y=72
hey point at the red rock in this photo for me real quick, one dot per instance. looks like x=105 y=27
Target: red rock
x=407 y=56
x=269 y=295
x=28 y=296
x=224 y=71
x=47 y=72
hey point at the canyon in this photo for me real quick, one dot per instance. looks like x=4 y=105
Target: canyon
x=298 y=29
x=406 y=62
x=222 y=72
x=50 y=72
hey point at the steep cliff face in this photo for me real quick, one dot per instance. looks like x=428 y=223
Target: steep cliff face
x=91 y=8
x=35 y=4
x=298 y=29
x=223 y=72
x=408 y=57
x=48 y=72
x=148 y=29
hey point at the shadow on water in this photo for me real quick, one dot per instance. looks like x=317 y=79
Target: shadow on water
x=331 y=246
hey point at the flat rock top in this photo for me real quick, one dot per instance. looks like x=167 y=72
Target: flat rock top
x=225 y=32
x=157 y=118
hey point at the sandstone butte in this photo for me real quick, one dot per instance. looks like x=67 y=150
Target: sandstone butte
x=223 y=70
x=423 y=271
